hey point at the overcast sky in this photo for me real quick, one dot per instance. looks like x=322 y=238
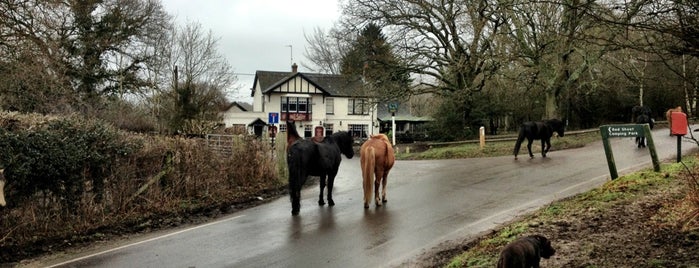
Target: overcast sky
x=256 y=34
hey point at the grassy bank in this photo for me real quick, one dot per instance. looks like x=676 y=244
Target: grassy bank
x=644 y=219
x=491 y=148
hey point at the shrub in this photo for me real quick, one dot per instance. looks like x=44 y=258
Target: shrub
x=60 y=158
x=70 y=178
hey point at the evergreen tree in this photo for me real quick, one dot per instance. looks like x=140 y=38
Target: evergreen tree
x=372 y=58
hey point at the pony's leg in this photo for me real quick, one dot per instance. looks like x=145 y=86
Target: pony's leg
x=529 y=148
x=367 y=163
x=545 y=146
x=383 y=187
x=331 y=181
x=367 y=183
x=377 y=186
x=321 y=201
x=295 y=201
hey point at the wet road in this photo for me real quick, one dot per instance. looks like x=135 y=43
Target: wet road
x=429 y=203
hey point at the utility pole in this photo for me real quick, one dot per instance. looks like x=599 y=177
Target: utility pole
x=291 y=53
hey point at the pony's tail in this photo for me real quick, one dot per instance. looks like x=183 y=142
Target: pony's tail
x=291 y=134
x=518 y=144
x=368 y=159
x=296 y=180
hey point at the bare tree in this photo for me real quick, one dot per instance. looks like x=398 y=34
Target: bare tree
x=325 y=50
x=447 y=45
x=95 y=48
x=198 y=77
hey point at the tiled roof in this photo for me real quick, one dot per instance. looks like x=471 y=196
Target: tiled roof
x=243 y=106
x=333 y=85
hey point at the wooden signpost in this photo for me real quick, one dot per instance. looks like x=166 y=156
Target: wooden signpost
x=622 y=131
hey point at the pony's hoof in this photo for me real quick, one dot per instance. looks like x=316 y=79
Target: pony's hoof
x=294 y=212
x=384 y=200
x=366 y=205
x=321 y=203
x=331 y=202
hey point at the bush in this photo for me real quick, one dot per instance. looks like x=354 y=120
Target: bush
x=70 y=178
x=60 y=158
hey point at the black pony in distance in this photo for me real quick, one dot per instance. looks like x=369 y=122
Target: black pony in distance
x=643 y=118
x=309 y=158
x=539 y=130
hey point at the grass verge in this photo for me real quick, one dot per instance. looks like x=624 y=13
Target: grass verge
x=498 y=148
x=485 y=251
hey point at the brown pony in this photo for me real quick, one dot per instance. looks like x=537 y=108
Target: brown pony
x=377 y=159
x=668 y=116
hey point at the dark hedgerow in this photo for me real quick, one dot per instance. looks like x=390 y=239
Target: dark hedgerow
x=72 y=180
x=60 y=158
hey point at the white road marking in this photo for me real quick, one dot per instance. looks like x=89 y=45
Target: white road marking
x=145 y=241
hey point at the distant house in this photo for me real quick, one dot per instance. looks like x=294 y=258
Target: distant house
x=331 y=102
x=409 y=128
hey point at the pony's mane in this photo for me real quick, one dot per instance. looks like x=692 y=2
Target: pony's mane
x=340 y=137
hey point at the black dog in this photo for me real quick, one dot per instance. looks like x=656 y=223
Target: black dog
x=525 y=252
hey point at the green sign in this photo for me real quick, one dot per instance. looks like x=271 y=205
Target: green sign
x=621 y=131
x=393 y=107
x=628 y=130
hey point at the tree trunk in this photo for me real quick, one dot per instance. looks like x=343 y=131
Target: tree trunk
x=551 y=105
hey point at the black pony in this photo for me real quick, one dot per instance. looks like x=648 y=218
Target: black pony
x=643 y=119
x=540 y=130
x=308 y=158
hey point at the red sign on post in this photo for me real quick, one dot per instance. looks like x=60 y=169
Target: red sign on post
x=678 y=125
x=272 y=131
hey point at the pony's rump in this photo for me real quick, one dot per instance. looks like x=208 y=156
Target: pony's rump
x=377 y=159
x=308 y=158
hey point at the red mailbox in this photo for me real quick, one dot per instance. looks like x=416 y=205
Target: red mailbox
x=678 y=123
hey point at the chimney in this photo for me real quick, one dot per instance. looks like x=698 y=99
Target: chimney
x=294 y=68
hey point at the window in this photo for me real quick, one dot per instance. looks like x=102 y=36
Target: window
x=296 y=105
x=357 y=107
x=285 y=104
x=358 y=131
x=303 y=105
x=282 y=127
x=307 y=131
x=328 y=129
x=329 y=106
